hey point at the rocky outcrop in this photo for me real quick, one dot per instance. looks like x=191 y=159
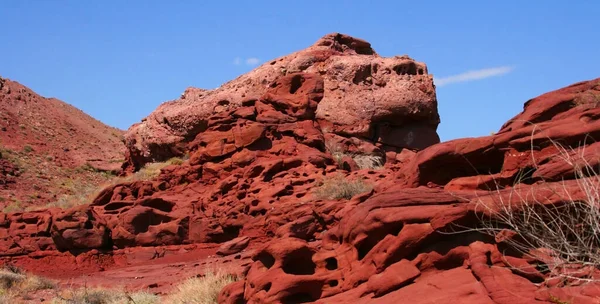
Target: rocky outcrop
x=390 y=101
x=250 y=173
x=399 y=244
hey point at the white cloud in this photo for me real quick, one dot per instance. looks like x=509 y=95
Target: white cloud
x=252 y=61
x=248 y=61
x=473 y=75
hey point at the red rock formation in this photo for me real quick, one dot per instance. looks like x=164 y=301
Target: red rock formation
x=246 y=194
x=375 y=99
x=392 y=247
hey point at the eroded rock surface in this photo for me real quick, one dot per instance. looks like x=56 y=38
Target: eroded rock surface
x=386 y=100
x=399 y=244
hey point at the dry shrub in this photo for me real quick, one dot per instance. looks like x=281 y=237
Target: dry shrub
x=564 y=237
x=201 y=290
x=590 y=99
x=14 y=283
x=365 y=161
x=81 y=193
x=340 y=187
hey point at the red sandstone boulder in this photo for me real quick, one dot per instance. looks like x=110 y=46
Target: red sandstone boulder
x=234 y=246
x=79 y=228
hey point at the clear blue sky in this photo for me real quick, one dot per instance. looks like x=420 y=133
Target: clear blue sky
x=118 y=60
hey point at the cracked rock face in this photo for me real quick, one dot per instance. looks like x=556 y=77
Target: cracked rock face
x=390 y=102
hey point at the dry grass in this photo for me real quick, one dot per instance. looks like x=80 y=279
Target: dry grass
x=340 y=187
x=16 y=283
x=149 y=171
x=589 y=98
x=201 y=290
x=364 y=161
x=104 y=296
x=81 y=192
x=13 y=206
x=564 y=237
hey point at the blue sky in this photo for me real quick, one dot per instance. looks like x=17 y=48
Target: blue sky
x=118 y=60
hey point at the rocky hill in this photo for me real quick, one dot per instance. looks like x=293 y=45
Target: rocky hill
x=314 y=187
x=50 y=149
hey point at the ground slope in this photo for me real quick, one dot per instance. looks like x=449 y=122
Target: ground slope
x=50 y=148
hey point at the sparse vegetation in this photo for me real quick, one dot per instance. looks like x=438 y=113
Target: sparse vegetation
x=87 y=167
x=27 y=149
x=79 y=191
x=104 y=296
x=13 y=206
x=555 y=300
x=201 y=290
x=588 y=98
x=564 y=237
x=150 y=170
x=15 y=283
x=339 y=186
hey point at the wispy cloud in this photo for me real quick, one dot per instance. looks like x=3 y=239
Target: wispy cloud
x=248 y=61
x=473 y=75
x=252 y=61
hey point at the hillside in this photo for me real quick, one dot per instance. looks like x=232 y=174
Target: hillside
x=50 y=149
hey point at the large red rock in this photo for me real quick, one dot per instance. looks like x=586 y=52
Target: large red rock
x=360 y=94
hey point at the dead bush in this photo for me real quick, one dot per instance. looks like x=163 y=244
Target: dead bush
x=340 y=187
x=564 y=237
x=201 y=290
